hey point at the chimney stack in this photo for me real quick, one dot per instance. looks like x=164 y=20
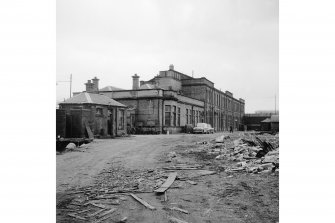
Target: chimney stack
x=89 y=86
x=136 y=82
x=95 y=81
x=171 y=67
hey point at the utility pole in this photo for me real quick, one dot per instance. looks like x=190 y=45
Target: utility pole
x=70 y=81
x=275 y=104
x=70 y=84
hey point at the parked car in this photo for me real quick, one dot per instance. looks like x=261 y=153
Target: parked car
x=203 y=128
x=210 y=129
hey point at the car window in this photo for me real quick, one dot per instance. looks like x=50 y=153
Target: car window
x=203 y=125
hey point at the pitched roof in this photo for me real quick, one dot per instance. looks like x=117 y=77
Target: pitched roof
x=274 y=118
x=111 y=88
x=266 y=120
x=90 y=98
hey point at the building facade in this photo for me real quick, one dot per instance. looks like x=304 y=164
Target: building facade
x=104 y=116
x=171 y=100
x=221 y=109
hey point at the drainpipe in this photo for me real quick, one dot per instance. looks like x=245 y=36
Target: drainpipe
x=162 y=115
x=158 y=112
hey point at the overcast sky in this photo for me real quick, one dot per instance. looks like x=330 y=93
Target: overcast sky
x=233 y=43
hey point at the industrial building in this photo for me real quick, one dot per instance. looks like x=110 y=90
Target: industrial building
x=262 y=121
x=171 y=100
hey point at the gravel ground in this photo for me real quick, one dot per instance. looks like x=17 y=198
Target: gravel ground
x=136 y=163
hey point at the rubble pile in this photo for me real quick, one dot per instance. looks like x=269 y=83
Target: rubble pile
x=96 y=203
x=248 y=152
x=119 y=179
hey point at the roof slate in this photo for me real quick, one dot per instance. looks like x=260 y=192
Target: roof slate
x=90 y=98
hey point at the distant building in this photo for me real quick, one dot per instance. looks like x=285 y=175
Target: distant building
x=261 y=122
x=103 y=115
x=171 y=100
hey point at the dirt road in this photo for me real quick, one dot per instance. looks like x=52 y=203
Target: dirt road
x=80 y=168
x=137 y=162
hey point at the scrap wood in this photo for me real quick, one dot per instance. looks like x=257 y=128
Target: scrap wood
x=165 y=196
x=142 y=202
x=200 y=173
x=238 y=169
x=123 y=220
x=89 y=131
x=167 y=183
x=98 y=205
x=83 y=211
x=191 y=182
x=176 y=220
x=107 y=212
x=127 y=192
x=76 y=192
x=106 y=197
x=102 y=219
x=180 y=168
x=76 y=216
x=95 y=213
x=179 y=209
x=248 y=157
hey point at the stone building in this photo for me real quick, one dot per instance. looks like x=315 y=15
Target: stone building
x=171 y=100
x=104 y=116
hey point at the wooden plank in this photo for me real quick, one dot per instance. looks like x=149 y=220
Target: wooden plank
x=95 y=213
x=176 y=220
x=102 y=219
x=76 y=216
x=98 y=205
x=107 y=212
x=179 y=209
x=191 y=182
x=142 y=202
x=180 y=168
x=167 y=183
x=89 y=131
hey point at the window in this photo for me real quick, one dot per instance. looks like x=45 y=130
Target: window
x=121 y=123
x=198 y=116
x=174 y=116
x=193 y=118
x=178 y=120
x=167 y=115
x=186 y=116
x=190 y=116
x=99 y=111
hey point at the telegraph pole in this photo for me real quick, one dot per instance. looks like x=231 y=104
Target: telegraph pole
x=70 y=84
x=275 y=104
x=70 y=81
